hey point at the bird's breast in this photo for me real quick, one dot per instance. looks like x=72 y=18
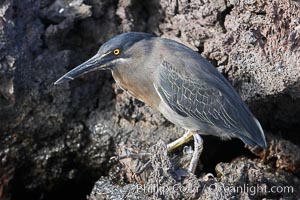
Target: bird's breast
x=139 y=88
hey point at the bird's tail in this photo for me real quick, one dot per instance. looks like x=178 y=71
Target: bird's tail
x=255 y=134
x=251 y=132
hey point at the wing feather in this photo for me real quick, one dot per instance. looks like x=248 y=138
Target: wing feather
x=193 y=88
x=198 y=100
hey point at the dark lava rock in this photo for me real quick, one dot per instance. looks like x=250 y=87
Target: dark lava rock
x=56 y=141
x=243 y=178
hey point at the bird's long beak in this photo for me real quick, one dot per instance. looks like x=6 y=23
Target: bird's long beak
x=96 y=62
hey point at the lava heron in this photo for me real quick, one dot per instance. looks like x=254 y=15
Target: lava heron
x=178 y=82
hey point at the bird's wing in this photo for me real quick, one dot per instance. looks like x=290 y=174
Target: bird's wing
x=192 y=87
x=203 y=100
x=199 y=100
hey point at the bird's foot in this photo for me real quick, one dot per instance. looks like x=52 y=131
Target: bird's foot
x=134 y=160
x=131 y=155
x=129 y=152
x=139 y=167
x=143 y=168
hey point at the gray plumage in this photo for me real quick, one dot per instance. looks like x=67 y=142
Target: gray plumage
x=177 y=81
x=217 y=108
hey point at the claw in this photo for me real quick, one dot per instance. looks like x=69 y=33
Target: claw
x=144 y=167
x=130 y=155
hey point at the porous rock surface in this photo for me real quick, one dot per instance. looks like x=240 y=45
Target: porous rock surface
x=56 y=141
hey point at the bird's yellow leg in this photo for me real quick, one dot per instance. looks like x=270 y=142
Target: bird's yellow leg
x=180 y=141
x=198 y=147
x=171 y=146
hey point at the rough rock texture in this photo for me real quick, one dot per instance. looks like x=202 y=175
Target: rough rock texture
x=56 y=141
x=243 y=178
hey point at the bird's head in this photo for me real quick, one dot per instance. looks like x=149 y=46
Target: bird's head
x=111 y=54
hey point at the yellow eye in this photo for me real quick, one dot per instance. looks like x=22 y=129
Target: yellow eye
x=117 y=52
